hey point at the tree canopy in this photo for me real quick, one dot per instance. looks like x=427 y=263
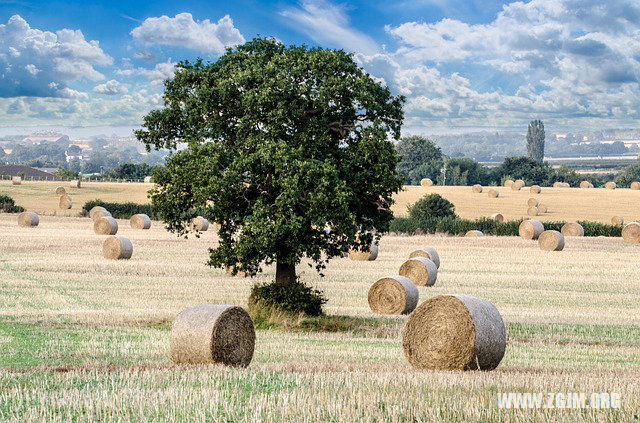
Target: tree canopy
x=535 y=140
x=419 y=158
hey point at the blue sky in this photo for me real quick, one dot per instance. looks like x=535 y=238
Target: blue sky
x=461 y=64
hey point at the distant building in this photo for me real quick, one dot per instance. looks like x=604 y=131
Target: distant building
x=27 y=172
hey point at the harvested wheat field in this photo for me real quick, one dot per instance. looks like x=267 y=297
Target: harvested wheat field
x=86 y=338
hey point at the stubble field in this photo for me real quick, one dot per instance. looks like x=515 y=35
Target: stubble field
x=86 y=338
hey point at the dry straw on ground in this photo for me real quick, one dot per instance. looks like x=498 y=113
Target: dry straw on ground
x=635 y=185
x=631 y=233
x=426 y=182
x=61 y=190
x=213 y=333
x=28 y=219
x=393 y=295
x=508 y=183
x=477 y=188
x=117 y=248
x=106 y=225
x=533 y=211
x=498 y=217
x=551 y=241
x=97 y=212
x=65 y=202
x=16 y=180
x=542 y=208
x=530 y=229
x=454 y=332
x=617 y=220
x=371 y=255
x=427 y=252
x=75 y=183
x=199 y=223
x=420 y=270
x=140 y=221
x=492 y=193
x=473 y=234
x=532 y=202
x=572 y=229
x=535 y=189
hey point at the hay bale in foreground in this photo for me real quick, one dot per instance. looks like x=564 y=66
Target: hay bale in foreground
x=520 y=182
x=572 y=229
x=533 y=211
x=426 y=182
x=477 y=188
x=65 y=202
x=76 y=183
x=474 y=234
x=117 y=248
x=631 y=233
x=542 y=208
x=532 y=202
x=454 y=332
x=393 y=295
x=530 y=229
x=106 y=225
x=535 y=189
x=213 y=333
x=427 y=252
x=617 y=220
x=16 y=180
x=97 y=212
x=492 y=193
x=508 y=182
x=370 y=255
x=516 y=187
x=28 y=219
x=61 y=191
x=586 y=184
x=199 y=223
x=610 y=185
x=148 y=179
x=420 y=270
x=551 y=241
x=498 y=217
x=140 y=221
x=635 y=185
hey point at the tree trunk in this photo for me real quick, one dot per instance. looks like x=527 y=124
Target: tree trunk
x=285 y=273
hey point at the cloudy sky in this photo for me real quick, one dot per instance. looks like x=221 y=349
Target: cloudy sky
x=462 y=64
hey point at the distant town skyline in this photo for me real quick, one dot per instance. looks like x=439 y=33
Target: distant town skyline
x=97 y=67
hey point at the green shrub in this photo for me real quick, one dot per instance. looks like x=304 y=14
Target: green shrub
x=122 y=210
x=431 y=206
x=403 y=225
x=295 y=298
x=8 y=205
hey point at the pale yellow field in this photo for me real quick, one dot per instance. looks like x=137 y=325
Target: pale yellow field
x=86 y=338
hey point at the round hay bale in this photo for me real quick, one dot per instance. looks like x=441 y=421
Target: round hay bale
x=542 y=208
x=148 y=179
x=610 y=185
x=426 y=182
x=97 y=212
x=557 y=184
x=535 y=189
x=635 y=185
x=585 y=184
x=421 y=271
x=370 y=255
x=492 y=193
x=454 y=332
x=477 y=188
x=140 y=221
x=631 y=233
x=516 y=187
x=106 y=225
x=61 y=191
x=28 y=219
x=65 y=202
x=497 y=217
x=565 y=185
x=508 y=182
x=572 y=229
x=532 y=202
x=520 y=182
x=427 y=252
x=617 y=220
x=533 y=211
x=473 y=234
x=551 y=241
x=393 y=295
x=530 y=229
x=16 y=180
x=75 y=183
x=117 y=248
x=213 y=333
x=199 y=223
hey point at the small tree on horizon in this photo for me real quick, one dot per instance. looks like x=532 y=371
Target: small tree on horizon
x=535 y=140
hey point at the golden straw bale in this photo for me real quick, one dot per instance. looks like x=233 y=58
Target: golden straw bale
x=551 y=241
x=420 y=270
x=16 y=180
x=140 y=221
x=572 y=229
x=477 y=188
x=631 y=233
x=492 y=193
x=393 y=295
x=106 y=225
x=426 y=182
x=474 y=234
x=617 y=220
x=635 y=185
x=497 y=217
x=28 y=219
x=61 y=191
x=508 y=182
x=533 y=211
x=542 y=208
x=97 y=212
x=532 y=202
x=535 y=189
x=65 y=202
x=610 y=185
x=530 y=229
x=117 y=248
x=427 y=252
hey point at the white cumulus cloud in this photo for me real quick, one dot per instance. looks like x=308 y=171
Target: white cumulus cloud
x=111 y=87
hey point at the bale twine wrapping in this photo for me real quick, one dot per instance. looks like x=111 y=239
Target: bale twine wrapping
x=61 y=191
x=508 y=182
x=199 y=223
x=427 y=252
x=533 y=211
x=371 y=255
x=610 y=185
x=140 y=221
x=551 y=241
x=106 y=225
x=117 y=248
x=542 y=208
x=631 y=233
x=393 y=295
x=65 y=202
x=473 y=234
x=421 y=271
x=535 y=189
x=532 y=202
x=28 y=219
x=477 y=188
x=617 y=220
x=492 y=193
x=454 y=332
x=572 y=229
x=148 y=179
x=75 y=183
x=635 y=185
x=213 y=333
x=16 y=180
x=530 y=229
x=97 y=212
x=585 y=184
x=498 y=217
x=426 y=182
x=516 y=187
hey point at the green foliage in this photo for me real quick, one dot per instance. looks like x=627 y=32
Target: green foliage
x=629 y=174
x=463 y=171
x=419 y=158
x=280 y=142
x=403 y=225
x=535 y=140
x=131 y=171
x=431 y=206
x=8 y=205
x=123 y=210
x=294 y=298
x=527 y=169
x=65 y=173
